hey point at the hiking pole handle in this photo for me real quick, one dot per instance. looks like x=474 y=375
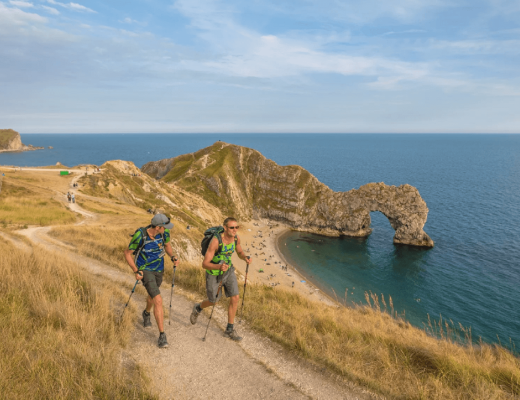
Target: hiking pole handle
x=247 y=264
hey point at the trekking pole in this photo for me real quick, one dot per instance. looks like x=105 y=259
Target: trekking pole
x=244 y=295
x=215 y=303
x=171 y=293
x=133 y=290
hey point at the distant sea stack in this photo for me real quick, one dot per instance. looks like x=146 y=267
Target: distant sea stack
x=10 y=140
x=242 y=182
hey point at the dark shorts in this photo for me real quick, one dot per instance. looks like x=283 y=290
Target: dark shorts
x=229 y=284
x=152 y=281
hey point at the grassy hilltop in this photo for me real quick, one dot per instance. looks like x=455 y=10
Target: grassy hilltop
x=59 y=339
x=6 y=137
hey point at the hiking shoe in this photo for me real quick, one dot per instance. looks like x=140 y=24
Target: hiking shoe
x=194 y=314
x=162 y=342
x=233 y=335
x=146 y=319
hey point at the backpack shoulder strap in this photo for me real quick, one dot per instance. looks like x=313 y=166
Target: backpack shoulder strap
x=217 y=234
x=142 y=242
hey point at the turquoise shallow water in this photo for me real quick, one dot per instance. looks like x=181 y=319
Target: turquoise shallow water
x=471 y=184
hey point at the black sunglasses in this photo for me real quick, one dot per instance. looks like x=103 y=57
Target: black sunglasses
x=233 y=227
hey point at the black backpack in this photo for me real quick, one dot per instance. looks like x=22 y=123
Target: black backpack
x=210 y=233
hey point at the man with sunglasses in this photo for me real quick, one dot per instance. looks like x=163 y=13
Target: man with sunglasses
x=215 y=272
x=149 y=245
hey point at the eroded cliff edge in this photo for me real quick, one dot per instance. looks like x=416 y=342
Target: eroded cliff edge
x=242 y=182
x=10 y=140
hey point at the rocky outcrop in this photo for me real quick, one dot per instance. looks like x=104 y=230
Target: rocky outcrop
x=243 y=183
x=10 y=141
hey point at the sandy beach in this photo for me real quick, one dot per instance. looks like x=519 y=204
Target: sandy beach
x=259 y=240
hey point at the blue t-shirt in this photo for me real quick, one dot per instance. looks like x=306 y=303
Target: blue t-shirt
x=151 y=256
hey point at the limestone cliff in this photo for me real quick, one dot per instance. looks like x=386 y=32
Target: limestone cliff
x=10 y=141
x=242 y=182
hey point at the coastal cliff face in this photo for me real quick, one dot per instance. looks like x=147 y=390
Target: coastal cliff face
x=242 y=182
x=10 y=140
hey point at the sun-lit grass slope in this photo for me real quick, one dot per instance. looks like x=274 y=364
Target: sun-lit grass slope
x=365 y=345
x=120 y=181
x=60 y=334
x=237 y=179
x=25 y=200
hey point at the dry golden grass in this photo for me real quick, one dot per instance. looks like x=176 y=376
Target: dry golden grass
x=98 y=208
x=29 y=211
x=24 y=203
x=365 y=345
x=60 y=336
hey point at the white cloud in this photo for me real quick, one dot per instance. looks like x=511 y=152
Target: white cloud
x=21 y=4
x=249 y=54
x=51 y=10
x=15 y=16
x=71 y=6
x=132 y=22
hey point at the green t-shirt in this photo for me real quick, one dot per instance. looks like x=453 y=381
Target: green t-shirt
x=226 y=251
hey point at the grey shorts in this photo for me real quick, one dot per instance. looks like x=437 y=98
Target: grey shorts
x=152 y=281
x=229 y=284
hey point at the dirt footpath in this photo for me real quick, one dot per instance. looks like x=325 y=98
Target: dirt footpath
x=219 y=368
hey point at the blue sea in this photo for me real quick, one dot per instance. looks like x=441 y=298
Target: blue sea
x=471 y=184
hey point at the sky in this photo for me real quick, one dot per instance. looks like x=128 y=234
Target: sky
x=287 y=66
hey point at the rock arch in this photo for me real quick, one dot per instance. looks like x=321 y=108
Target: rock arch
x=348 y=213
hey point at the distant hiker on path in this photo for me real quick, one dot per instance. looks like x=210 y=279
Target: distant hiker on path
x=68 y=196
x=215 y=273
x=145 y=255
x=72 y=197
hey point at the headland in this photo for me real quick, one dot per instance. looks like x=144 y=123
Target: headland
x=10 y=141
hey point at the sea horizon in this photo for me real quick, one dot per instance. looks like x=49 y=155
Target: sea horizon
x=470 y=184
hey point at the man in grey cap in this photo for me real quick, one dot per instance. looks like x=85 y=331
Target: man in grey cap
x=145 y=255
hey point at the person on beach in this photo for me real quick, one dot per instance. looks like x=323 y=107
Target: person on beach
x=215 y=273
x=151 y=243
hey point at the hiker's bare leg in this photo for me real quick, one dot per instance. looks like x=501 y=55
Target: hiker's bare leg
x=149 y=304
x=206 y=303
x=232 y=310
x=158 y=312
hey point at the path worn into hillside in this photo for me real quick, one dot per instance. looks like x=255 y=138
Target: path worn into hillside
x=219 y=368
